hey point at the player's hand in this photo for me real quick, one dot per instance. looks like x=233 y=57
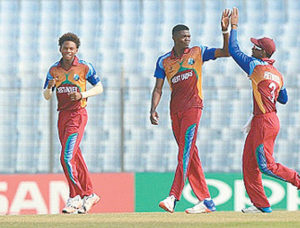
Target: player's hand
x=75 y=96
x=225 y=19
x=234 y=20
x=51 y=83
x=154 y=117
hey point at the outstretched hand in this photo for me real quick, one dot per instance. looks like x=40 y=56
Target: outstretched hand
x=234 y=20
x=225 y=19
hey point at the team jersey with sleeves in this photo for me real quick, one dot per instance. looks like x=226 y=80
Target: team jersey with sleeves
x=266 y=84
x=266 y=79
x=72 y=80
x=184 y=75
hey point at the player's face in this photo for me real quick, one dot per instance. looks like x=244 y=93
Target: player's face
x=257 y=52
x=182 y=38
x=68 y=50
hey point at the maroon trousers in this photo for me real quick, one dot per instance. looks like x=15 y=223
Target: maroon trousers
x=71 y=126
x=185 y=125
x=258 y=158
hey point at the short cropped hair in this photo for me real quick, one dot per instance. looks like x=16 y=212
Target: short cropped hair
x=178 y=28
x=69 y=37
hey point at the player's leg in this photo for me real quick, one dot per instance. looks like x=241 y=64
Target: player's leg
x=74 y=202
x=251 y=173
x=89 y=198
x=62 y=124
x=80 y=169
x=279 y=171
x=169 y=203
x=186 y=138
x=179 y=177
x=196 y=176
x=83 y=174
x=199 y=186
x=195 y=172
x=265 y=159
x=73 y=134
x=72 y=138
x=75 y=131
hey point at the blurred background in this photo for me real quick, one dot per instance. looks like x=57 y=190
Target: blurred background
x=123 y=39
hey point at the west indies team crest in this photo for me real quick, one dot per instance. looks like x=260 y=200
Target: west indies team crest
x=191 y=61
x=76 y=77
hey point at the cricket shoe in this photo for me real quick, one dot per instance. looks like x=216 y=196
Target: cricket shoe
x=88 y=202
x=254 y=209
x=168 y=204
x=72 y=205
x=204 y=206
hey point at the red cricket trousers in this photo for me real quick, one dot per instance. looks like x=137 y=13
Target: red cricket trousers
x=71 y=126
x=185 y=126
x=258 y=158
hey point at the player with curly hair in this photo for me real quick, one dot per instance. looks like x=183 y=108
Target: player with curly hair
x=69 y=76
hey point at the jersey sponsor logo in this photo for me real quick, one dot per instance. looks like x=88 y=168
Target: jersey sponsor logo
x=76 y=77
x=181 y=77
x=273 y=77
x=64 y=89
x=191 y=61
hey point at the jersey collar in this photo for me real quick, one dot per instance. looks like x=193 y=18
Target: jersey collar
x=173 y=56
x=269 y=61
x=75 y=61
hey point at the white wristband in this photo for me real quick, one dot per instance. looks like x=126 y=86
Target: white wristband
x=225 y=32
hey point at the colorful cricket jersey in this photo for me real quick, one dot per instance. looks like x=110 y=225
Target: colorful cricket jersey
x=267 y=81
x=266 y=84
x=72 y=80
x=184 y=75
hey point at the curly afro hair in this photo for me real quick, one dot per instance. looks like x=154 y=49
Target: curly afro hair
x=69 y=37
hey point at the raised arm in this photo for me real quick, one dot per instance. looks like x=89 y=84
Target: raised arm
x=239 y=57
x=224 y=24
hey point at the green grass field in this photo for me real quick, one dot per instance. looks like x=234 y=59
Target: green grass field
x=277 y=219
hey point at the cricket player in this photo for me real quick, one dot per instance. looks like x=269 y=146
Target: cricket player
x=268 y=87
x=182 y=67
x=69 y=76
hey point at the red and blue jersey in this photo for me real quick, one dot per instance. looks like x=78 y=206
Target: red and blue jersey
x=184 y=75
x=72 y=80
x=267 y=81
x=266 y=84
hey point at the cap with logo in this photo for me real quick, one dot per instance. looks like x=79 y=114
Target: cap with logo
x=265 y=43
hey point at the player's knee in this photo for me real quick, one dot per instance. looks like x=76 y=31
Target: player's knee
x=272 y=167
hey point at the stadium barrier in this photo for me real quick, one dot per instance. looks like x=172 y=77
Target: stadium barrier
x=47 y=193
x=129 y=192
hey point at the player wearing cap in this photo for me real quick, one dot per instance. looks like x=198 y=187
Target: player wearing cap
x=70 y=76
x=267 y=85
x=182 y=68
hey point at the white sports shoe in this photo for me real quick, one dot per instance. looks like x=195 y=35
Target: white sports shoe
x=88 y=202
x=204 y=206
x=168 y=204
x=254 y=209
x=72 y=205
